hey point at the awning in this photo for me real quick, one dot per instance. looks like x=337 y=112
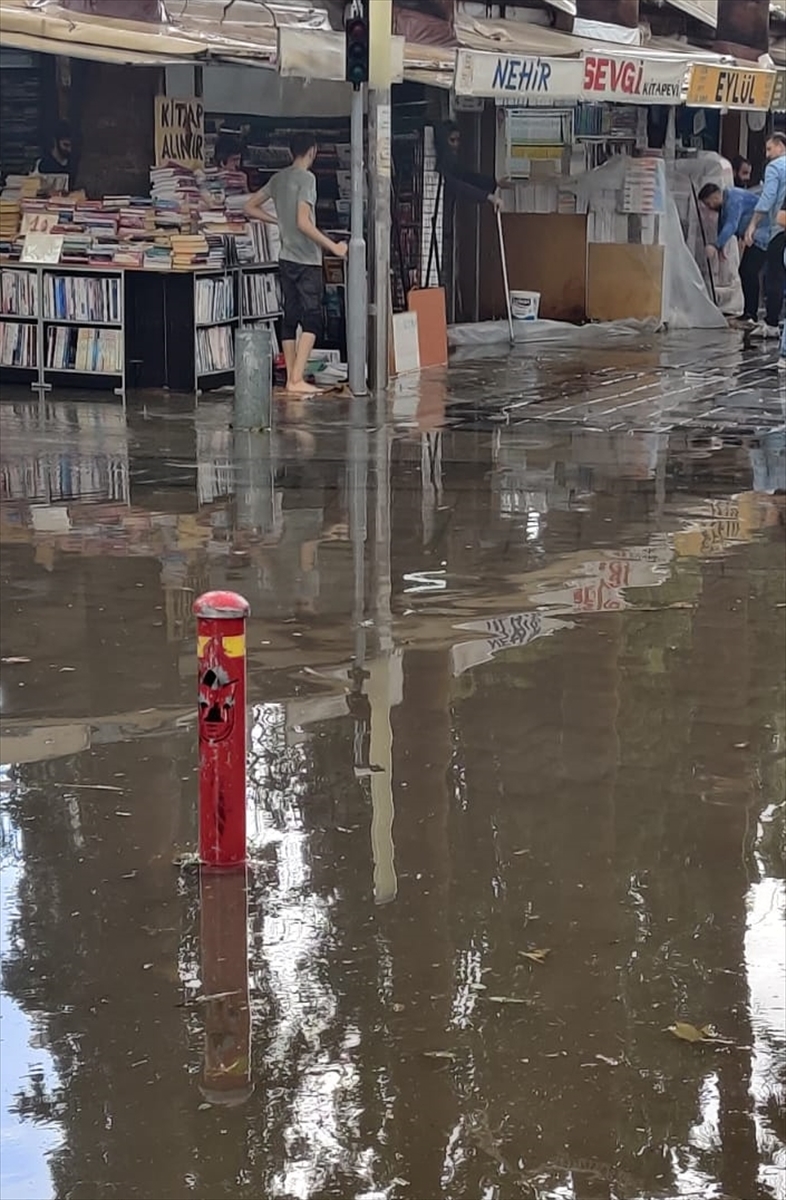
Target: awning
x=198 y=33
x=705 y=11
x=104 y=54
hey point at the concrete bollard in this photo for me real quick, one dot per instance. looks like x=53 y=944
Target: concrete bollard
x=221 y=653
x=253 y=377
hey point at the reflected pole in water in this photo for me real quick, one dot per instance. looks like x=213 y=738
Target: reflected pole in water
x=226 y=1014
x=255 y=481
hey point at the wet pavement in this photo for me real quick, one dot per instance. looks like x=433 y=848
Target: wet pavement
x=516 y=686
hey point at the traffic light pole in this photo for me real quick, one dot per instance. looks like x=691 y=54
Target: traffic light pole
x=357 y=286
x=379 y=137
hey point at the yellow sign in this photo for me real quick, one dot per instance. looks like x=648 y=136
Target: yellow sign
x=180 y=132
x=730 y=87
x=779 y=94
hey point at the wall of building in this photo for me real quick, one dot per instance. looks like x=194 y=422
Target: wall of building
x=231 y=89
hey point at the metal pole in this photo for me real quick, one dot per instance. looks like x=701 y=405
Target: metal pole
x=379 y=157
x=504 y=260
x=357 y=283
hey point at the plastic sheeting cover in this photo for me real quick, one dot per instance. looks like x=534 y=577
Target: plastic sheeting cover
x=708 y=167
x=686 y=304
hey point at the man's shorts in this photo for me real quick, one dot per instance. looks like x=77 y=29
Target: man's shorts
x=303 y=288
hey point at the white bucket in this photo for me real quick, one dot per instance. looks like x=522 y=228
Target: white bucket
x=525 y=305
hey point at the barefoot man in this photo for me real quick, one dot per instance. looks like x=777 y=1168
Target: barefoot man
x=294 y=194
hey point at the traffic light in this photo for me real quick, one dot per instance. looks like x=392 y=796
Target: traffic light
x=356 y=35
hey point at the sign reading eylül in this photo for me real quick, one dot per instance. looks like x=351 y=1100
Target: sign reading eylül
x=730 y=87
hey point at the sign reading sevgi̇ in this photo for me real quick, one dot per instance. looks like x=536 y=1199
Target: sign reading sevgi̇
x=180 y=132
x=633 y=79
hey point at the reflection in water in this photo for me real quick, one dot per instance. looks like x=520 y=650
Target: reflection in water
x=226 y=1011
x=510 y=692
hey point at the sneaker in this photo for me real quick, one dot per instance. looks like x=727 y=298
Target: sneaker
x=763 y=330
x=782 y=363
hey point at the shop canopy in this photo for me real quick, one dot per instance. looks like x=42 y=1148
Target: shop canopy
x=514 y=61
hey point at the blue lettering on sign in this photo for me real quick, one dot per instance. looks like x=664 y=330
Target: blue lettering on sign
x=521 y=75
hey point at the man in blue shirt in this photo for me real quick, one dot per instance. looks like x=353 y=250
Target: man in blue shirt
x=770 y=203
x=735 y=207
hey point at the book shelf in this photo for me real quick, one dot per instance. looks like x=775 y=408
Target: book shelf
x=19 y=320
x=176 y=329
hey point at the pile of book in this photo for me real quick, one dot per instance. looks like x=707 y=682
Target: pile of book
x=176 y=196
x=188 y=250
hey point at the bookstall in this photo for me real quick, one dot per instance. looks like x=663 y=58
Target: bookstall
x=135 y=290
x=593 y=249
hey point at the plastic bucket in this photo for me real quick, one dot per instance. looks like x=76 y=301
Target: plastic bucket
x=525 y=305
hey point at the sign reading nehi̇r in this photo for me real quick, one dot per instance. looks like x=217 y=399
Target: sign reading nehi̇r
x=730 y=87
x=180 y=132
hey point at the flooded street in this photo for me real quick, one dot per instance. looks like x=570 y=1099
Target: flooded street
x=516 y=806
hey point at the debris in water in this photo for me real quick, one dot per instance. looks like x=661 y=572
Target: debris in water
x=14 y=660
x=707 y=1034
x=537 y=956
x=448 y=1054
x=508 y=1000
x=186 y=861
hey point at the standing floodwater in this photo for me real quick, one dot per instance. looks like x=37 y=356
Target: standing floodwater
x=517 y=765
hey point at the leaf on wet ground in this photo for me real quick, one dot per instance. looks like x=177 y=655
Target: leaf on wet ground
x=15 y=660
x=446 y=1054
x=536 y=956
x=507 y=1000
x=707 y=1034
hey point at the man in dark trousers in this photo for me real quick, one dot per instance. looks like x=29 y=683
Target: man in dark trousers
x=769 y=204
x=735 y=207
x=294 y=194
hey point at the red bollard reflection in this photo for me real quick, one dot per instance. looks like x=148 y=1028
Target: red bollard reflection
x=226 y=1073
x=221 y=651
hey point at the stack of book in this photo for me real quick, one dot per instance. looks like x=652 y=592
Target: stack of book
x=10 y=216
x=176 y=196
x=188 y=250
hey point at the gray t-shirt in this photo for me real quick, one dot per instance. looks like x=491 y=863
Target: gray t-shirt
x=286 y=190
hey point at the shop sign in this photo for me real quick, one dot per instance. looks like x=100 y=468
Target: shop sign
x=730 y=87
x=779 y=94
x=180 y=132
x=633 y=79
x=514 y=77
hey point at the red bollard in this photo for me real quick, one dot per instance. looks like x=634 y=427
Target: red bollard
x=221 y=653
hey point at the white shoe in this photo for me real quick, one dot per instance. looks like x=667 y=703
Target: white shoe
x=782 y=363
x=763 y=330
